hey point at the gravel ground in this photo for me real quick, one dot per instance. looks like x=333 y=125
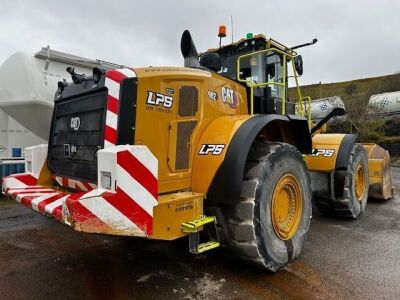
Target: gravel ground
x=41 y=259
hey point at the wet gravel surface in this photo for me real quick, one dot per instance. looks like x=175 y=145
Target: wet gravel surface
x=41 y=259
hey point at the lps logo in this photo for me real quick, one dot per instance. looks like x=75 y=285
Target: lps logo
x=214 y=149
x=159 y=99
x=75 y=123
x=229 y=97
x=323 y=152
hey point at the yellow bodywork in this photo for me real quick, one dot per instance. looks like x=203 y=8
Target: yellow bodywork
x=380 y=177
x=156 y=127
x=220 y=131
x=173 y=210
x=325 y=151
x=215 y=122
x=212 y=121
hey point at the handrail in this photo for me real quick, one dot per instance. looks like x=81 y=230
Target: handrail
x=282 y=85
x=308 y=111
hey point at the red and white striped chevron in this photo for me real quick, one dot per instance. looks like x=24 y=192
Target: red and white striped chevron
x=74 y=184
x=125 y=209
x=112 y=82
x=24 y=189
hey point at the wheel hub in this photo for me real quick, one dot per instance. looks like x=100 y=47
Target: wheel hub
x=360 y=182
x=286 y=207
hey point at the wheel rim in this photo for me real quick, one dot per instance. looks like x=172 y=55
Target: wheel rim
x=360 y=182
x=286 y=207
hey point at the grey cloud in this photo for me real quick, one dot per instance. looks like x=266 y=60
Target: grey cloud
x=356 y=38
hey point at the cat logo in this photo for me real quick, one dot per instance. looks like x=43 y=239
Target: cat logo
x=75 y=123
x=229 y=97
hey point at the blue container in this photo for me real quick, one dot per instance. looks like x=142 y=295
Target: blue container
x=16 y=152
x=11 y=167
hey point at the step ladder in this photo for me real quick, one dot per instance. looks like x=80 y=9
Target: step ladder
x=206 y=225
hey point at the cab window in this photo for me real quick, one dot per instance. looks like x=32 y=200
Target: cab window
x=263 y=68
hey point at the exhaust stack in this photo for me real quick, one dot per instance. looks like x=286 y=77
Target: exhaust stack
x=189 y=51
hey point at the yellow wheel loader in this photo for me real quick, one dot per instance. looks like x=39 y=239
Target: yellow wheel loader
x=213 y=151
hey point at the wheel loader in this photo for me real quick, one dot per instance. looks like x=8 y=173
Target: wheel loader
x=213 y=151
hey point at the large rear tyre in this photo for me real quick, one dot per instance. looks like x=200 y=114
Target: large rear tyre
x=269 y=223
x=355 y=194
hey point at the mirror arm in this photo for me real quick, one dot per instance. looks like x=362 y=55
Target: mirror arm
x=337 y=111
x=305 y=45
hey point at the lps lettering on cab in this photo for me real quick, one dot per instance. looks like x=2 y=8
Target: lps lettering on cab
x=158 y=99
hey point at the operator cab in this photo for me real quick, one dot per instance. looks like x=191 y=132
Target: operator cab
x=261 y=72
x=257 y=63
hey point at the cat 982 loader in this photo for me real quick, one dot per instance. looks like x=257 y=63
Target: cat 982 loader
x=213 y=151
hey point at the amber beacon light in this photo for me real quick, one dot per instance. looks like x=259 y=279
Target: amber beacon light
x=222 y=31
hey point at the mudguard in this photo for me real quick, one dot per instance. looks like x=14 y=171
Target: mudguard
x=331 y=153
x=226 y=184
x=212 y=148
x=342 y=161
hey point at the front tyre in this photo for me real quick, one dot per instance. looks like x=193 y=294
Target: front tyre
x=355 y=193
x=269 y=223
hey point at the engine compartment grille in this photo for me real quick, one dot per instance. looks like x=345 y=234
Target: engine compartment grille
x=76 y=134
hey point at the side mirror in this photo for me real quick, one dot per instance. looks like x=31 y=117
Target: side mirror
x=298 y=64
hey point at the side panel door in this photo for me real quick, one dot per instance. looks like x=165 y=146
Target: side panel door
x=182 y=127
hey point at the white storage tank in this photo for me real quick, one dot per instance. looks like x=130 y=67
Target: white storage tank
x=28 y=84
x=14 y=137
x=322 y=107
x=384 y=104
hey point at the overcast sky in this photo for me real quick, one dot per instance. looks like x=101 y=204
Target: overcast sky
x=357 y=38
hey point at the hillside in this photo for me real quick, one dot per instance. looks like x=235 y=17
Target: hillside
x=355 y=95
x=356 y=88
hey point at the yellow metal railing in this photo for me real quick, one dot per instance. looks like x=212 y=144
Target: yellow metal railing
x=285 y=53
x=308 y=101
